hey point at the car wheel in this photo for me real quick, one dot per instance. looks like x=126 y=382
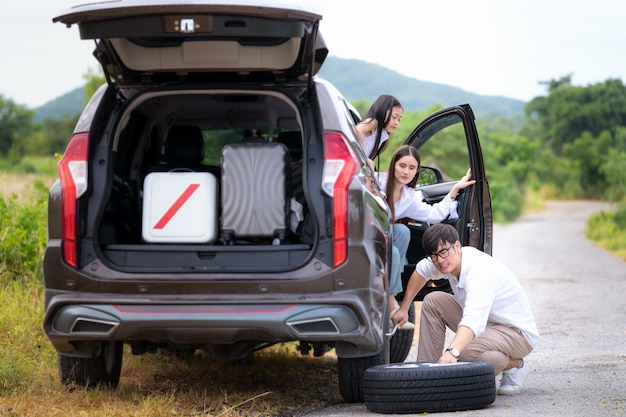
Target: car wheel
x=421 y=387
x=102 y=370
x=351 y=375
x=401 y=341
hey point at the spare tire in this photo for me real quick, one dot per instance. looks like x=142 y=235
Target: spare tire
x=419 y=387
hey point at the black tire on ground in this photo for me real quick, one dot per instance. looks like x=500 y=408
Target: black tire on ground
x=101 y=371
x=420 y=387
x=401 y=341
x=351 y=376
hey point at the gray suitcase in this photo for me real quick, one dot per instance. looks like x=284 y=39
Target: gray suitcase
x=255 y=192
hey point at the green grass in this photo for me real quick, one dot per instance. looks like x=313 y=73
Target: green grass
x=23 y=344
x=23 y=234
x=42 y=165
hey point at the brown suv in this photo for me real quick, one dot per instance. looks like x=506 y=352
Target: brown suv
x=214 y=196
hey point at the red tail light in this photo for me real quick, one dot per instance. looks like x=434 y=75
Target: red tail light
x=73 y=176
x=340 y=166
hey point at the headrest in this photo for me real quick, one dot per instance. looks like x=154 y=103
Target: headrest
x=184 y=144
x=292 y=139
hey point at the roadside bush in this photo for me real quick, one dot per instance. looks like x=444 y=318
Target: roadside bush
x=507 y=201
x=22 y=235
x=620 y=216
x=608 y=229
x=22 y=241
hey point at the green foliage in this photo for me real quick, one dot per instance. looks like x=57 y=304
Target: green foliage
x=613 y=170
x=22 y=236
x=569 y=111
x=608 y=229
x=507 y=201
x=22 y=334
x=15 y=126
x=22 y=242
x=581 y=132
x=362 y=106
x=620 y=216
x=93 y=80
x=51 y=136
x=44 y=165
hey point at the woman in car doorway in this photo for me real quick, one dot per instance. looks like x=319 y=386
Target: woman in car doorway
x=385 y=112
x=405 y=201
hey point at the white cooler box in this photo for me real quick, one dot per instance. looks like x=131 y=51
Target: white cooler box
x=179 y=207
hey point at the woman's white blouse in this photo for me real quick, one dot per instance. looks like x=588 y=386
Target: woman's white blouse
x=411 y=205
x=370 y=141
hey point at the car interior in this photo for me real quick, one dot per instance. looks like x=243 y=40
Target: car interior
x=188 y=132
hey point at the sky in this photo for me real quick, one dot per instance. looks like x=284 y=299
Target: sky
x=488 y=47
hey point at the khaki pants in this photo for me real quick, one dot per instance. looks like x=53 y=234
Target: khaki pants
x=497 y=344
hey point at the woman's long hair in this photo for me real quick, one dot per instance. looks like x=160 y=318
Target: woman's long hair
x=381 y=110
x=401 y=152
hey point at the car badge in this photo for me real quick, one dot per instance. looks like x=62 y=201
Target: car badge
x=187 y=25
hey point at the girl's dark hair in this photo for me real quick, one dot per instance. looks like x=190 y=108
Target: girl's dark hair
x=401 y=152
x=380 y=110
x=438 y=234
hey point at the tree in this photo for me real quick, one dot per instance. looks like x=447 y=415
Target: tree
x=51 y=136
x=569 y=111
x=553 y=85
x=93 y=80
x=15 y=126
x=614 y=171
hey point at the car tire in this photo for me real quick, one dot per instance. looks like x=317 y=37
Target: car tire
x=351 y=375
x=423 y=387
x=401 y=341
x=100 y=371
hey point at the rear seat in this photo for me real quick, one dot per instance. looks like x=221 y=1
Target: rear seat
x=184 y=151
x=292 y=139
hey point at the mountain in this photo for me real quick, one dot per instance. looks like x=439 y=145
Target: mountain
x=69 y=104
x=357 y=80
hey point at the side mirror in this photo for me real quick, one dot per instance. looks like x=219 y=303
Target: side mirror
x=429 y=176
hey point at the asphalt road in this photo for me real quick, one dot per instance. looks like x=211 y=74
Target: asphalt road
x=577 y=292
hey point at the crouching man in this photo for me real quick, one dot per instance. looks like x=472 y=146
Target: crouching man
x=489 y=311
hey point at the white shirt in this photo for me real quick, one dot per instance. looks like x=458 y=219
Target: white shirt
x=411 y=205
x=370 y=141
x=488 y=292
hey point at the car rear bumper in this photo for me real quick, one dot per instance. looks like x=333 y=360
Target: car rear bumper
x=76 y=329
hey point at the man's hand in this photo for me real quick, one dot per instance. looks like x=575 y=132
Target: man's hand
x=400 y=317
x=447 y=357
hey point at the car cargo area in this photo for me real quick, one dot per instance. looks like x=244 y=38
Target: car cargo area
x=206 y=181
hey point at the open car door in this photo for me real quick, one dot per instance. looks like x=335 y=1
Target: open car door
x=448 y=144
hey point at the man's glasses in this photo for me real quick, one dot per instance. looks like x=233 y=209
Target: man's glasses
x=443 y=253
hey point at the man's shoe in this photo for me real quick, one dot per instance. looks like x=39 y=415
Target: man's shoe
x=513 y=380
